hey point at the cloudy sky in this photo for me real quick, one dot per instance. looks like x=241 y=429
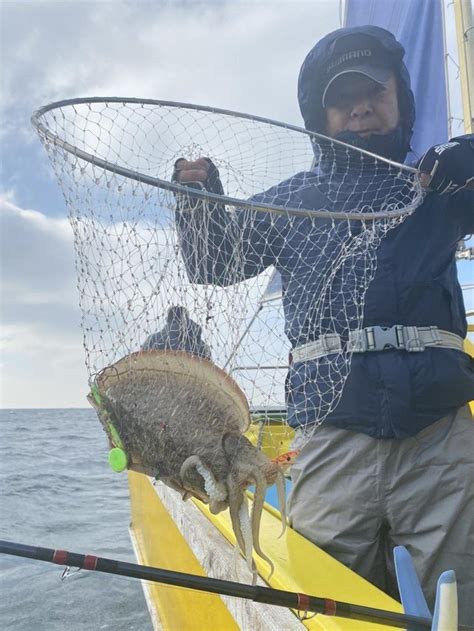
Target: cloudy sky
x=236 y=55
x=213 y=53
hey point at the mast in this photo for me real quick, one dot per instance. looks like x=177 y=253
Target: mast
x=465 y=45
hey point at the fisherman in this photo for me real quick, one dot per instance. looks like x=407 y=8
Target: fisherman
x=393 y=462
x=180 y=333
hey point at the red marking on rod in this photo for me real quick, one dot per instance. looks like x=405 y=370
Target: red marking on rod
x=90 y=562
x=303 y=602
x=60 y=557
x=329 y=607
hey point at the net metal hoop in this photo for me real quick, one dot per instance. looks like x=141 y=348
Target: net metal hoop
x=205 y=195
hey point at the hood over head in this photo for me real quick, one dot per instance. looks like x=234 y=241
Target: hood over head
x=369 y=50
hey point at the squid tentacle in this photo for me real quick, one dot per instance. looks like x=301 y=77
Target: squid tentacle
x=257 y=509
x=281 y=491
x=190 y=462
x=274 y=475
x=246 y=529
x=236 y=497
x=215 y=490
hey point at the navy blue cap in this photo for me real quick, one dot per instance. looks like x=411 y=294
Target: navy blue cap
x=360 y=53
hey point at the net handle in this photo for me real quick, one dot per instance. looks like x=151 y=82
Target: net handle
x=206 y=195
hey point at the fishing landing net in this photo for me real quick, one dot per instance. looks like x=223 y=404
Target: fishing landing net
x=281 y=260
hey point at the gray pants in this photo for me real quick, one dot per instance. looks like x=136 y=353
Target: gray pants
x=357 y=497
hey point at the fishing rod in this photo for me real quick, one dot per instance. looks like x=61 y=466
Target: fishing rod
x=267 y=595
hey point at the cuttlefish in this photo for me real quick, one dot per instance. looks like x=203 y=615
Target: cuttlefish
x=181 y=419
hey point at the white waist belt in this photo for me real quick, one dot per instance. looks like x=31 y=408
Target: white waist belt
x=413 y=339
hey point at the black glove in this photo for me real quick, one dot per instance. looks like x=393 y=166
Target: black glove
x=213 y=183
x=450 y=166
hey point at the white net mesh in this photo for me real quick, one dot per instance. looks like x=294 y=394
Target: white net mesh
x=283 y=262
x=287 y=265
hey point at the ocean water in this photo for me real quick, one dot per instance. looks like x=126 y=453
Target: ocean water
x=57 y=491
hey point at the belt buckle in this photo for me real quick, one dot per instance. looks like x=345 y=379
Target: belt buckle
x=379 y=338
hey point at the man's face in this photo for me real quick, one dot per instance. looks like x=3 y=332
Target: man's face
x=358 y=104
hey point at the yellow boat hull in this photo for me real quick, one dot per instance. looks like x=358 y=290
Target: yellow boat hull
x=186 y=537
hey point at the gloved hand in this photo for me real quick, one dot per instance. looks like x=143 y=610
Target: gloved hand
x=198 y=172
x=448 y=168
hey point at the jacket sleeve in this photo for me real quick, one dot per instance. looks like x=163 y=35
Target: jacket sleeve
x=224 y=247
x=462 y=207
x=462 y=203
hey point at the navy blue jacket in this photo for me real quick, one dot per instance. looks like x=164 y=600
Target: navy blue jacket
x=389 y=394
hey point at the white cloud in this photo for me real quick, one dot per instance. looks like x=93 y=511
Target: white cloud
x=236 y=55
x=37 y=253
x=41 y=341
x=229 y=54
